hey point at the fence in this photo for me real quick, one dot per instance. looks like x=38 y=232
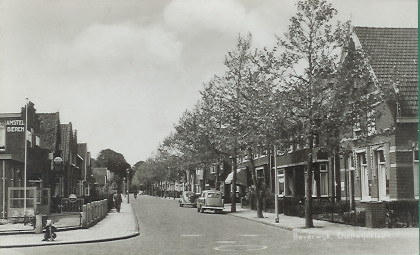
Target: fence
x=94 y=212
x=68 y=205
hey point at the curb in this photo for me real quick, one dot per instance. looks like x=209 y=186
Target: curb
x=134 y=234
x=72 y=242
x=23 y=232
x=262 y=222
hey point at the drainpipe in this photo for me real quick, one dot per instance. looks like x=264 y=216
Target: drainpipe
x=4 y=189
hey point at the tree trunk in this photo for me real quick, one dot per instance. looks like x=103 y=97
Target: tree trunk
x=203 y=187
x=332 y=178
x=217 y=184
x=308 y=184
x=257 y=185
x=337 y=177
x=194 y=188
x=233 y=184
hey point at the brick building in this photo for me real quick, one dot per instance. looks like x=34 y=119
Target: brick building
x=12 y=162
x=385 y=166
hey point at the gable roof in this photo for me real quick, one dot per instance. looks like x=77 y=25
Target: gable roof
x=394 y=53
x=49 y=130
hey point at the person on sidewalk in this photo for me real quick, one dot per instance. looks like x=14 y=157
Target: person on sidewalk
x=118 y=201
x=49 y=234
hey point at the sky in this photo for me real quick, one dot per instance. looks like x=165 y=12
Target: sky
x=123 y=72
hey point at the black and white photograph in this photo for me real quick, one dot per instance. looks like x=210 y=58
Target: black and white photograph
x=176 y=127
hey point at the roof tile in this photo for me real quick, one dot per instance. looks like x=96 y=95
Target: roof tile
x=394 y=53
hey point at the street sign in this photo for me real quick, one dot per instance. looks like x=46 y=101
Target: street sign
x=72 y=198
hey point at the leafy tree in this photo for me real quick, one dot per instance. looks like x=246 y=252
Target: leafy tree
x=114 y=161
x=323 y=94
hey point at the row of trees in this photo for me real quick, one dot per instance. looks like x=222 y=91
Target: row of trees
x=313 y=82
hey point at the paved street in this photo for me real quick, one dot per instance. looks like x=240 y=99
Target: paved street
x=166 y=228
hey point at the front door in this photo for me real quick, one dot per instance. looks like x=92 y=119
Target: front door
x=383 y=180
x=364 y=176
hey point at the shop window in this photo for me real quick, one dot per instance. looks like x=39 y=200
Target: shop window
x=2 y=136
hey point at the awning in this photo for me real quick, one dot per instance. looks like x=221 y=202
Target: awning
x=241 y=177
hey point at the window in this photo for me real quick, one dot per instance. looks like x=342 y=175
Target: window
x=351 y=162
x=37 y=141
x=260 y=172
x=87 y=191
x=29 y=138
x=323 y=179
x=357 y=129
x=213 y=195
x=213 y=169
x=264 y=153
x=256 y=154
x=2 y=135
x=17 y=198
x=371 y=125
x=281 y=178
x=290 y=149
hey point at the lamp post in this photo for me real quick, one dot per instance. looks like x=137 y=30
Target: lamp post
x=276 y=194
x=26 y=158
x=128 y=185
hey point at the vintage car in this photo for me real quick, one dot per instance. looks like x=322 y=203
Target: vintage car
x=187 y=198
x=210 y=200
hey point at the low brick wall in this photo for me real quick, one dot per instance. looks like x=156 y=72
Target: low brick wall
x=375 y=215
x=94 y=212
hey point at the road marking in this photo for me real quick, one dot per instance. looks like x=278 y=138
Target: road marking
x=249 y=235
x=190 y=235
x=240 y=248
x=226 y=242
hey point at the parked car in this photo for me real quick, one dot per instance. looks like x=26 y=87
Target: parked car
x=187 y=198
x=210 y=200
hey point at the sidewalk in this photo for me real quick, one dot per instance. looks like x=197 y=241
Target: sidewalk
x=323 y=228
x=114 y=226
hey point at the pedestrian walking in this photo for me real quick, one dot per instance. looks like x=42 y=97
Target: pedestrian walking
x=118 y=201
